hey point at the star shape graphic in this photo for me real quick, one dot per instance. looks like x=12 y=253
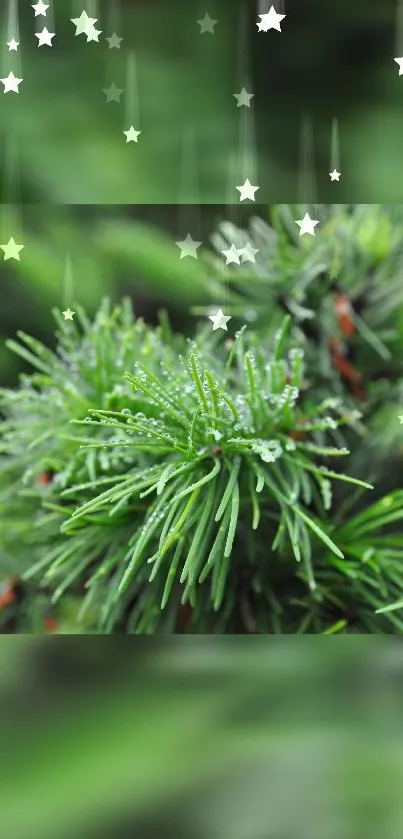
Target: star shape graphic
x=247 y=190
x=399 y=61
x=401 y=418
x=114 y=41
x=40 y=8
x=207 y=24
x=12 y=250
x=13 y=45
x=83 y=23
x=113 y=93
x=132 y=135
x=270 y=20
x=93 y=34
x=188 y=247
x=11 y=83
x=45 y=38
x=219 y=320
x=248 y=253
x=307 y=225
x=335 y=175
x=243 y=98
x=232 y=255
x=68 y=314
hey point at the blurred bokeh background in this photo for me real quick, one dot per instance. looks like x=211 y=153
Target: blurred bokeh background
x=249 y=739
x=331 y=60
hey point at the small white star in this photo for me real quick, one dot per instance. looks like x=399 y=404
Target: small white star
x=335 y=175
x=40 y=8
x=399 y=61
x=12 y=250
x=232 y=255
x=13 y=45
x=307 y=225
x=401 y=418
x=93 y=34
x=207 y=24
x=247 y=190
x=11 y=83
x=271 y=20
x=248 y=253
x=188 y=247
x=113 y=93
x=83 y=23
x=219 y=320
x=114 y=41
x=243 y=98
x=45 y=38
x=68 y=314
x=132 y=135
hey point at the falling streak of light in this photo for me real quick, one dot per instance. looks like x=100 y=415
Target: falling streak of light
x=114 y=17
x=132 y=99
x=91 y=7
x=263 y=6
x=113 y=26
x=399 y=29
x=248 y=165
x=306 y=180
x=49 y=22
x=11 y=211
x=335 y=147
x=243 y=52
x=68 y=283
x=10 y=60
x=247 y=140
x=189 y=197
x=211 y=9
x=231 y=216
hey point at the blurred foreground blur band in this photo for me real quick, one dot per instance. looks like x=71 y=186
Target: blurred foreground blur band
x=199 y=738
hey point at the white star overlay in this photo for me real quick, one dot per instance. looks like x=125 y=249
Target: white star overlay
x=13 y=45
x=12 y=250
x=83 y=24
x=45 y=38
x=188 y=247
x=335 y=175
x=11 y=83
x=132 y=135
x=399 y=61
x=232 y=255
x=248 y=253
x=68 y=314
x=247 y=190
x=307 y=225
x=207 y=24
x=40 y=8
x=271 y=20
x=93 y=35
x=243 y=98
x=113 y=93
x=219 y=320
x=114 y=41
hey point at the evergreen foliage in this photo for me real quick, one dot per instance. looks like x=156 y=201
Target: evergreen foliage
x=195 y=485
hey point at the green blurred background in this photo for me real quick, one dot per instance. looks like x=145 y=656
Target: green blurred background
x=198 y=738
x=70 y=184
x=331 y=60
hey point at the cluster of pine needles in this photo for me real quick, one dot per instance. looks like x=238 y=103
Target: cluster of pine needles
x=194 y=485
